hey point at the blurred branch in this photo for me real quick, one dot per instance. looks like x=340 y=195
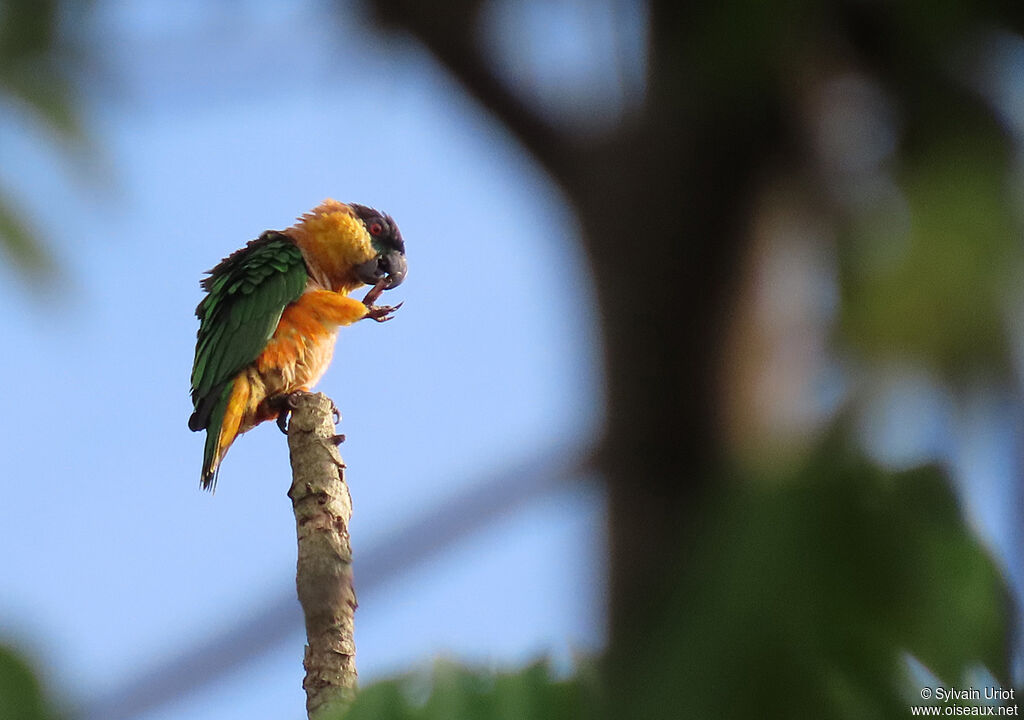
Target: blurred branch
x=450 y=32
x=323 y=508
x=278 y=619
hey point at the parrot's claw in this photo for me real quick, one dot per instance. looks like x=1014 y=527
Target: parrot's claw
x=381 y=313
x=283 y=405
x=286 y=402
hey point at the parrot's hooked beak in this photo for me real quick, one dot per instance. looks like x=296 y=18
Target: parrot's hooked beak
x=390 y=265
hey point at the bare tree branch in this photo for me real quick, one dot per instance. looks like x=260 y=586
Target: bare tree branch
x=323 y=508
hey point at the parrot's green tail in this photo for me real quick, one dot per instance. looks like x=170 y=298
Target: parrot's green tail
x=211 y=457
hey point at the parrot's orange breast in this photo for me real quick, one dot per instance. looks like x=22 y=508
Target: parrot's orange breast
x=295 y=358
x=301 y=348
x=298 y=354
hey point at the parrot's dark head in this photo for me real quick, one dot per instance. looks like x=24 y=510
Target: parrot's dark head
x=389 y=262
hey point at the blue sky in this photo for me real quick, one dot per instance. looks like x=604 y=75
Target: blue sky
x=210 y=125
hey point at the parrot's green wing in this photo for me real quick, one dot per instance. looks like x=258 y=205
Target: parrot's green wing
x=246 y=294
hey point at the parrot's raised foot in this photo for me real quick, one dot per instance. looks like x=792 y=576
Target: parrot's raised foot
x=381 y=313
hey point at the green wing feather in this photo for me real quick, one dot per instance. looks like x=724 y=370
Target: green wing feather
x=246 y=294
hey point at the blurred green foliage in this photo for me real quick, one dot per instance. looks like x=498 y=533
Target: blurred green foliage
x=35 y=80
x=34 y=55
x=807 y=593
x=927 y=278
x=452 y=692
x=21 y=697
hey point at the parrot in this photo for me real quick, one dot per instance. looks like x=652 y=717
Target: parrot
x=270 y=317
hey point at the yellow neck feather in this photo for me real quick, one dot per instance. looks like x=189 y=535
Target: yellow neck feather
x=333 y=241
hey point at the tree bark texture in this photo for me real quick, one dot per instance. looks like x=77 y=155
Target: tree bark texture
x=323 y=508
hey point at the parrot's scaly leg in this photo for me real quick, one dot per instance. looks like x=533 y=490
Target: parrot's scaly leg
x=375 y=291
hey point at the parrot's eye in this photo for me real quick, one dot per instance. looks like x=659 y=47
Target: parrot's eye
x=376 y=228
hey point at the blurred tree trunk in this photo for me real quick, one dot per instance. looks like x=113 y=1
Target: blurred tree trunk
x=664 y=205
